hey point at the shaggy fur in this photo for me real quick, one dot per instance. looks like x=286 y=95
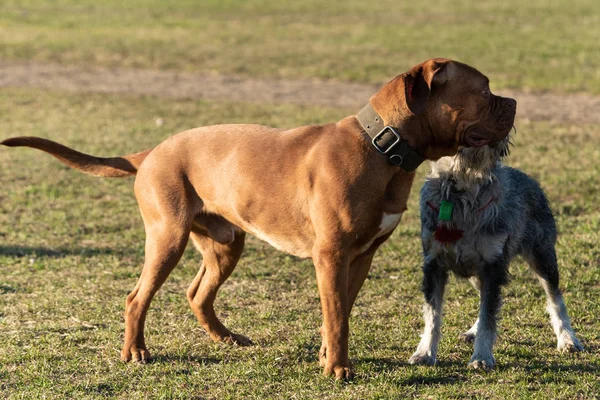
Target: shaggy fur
x=498 y=213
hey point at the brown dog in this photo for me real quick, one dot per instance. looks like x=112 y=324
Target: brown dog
x=329 y=192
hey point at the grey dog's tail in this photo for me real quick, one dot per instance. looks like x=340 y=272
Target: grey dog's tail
x=98 y=166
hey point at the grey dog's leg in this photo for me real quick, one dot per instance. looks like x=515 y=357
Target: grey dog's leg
x=434 y=281
x=469 y=336
x=543 y=261
x=492 y=277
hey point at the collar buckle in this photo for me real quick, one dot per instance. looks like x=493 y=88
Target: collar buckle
x=387 y=141
x=385 y=150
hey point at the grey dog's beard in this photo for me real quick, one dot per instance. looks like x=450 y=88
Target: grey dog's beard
x=471 y=166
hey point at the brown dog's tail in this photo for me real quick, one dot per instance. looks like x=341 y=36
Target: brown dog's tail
x=111 y=167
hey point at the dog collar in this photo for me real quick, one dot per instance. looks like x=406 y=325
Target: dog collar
x=387 y=140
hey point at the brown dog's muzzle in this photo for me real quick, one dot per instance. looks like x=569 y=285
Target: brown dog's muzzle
x=497 y=125
x=504 y=109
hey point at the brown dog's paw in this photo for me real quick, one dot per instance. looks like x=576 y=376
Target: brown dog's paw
x=237 y=340
x=339 y=371
x=136 y=354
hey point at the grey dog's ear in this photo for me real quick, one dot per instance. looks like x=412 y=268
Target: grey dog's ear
x=421 y=80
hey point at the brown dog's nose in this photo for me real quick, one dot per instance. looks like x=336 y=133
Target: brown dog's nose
x=511 y=103
x=503 y=114
x=508 y=107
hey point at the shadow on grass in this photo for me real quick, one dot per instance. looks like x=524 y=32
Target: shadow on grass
x=542 y=367
x=382 y=365
x=7 y=289
x=60 y=252
x=432 y=380
x=180 y=358
x=531 y=361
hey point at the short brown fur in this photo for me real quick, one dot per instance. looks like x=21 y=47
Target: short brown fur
x=321 y=192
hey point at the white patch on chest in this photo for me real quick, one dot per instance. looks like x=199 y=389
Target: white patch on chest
x=388 y=223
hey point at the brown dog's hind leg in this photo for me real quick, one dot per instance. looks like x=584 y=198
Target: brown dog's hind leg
x=219 y=261
x=164 y=247
x=167 y=209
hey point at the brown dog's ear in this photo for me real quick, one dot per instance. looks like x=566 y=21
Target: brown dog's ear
x=420 y=81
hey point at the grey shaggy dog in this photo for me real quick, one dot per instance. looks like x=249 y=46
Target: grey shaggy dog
x=498 y=213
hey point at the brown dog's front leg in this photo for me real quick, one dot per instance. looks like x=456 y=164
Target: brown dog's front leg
x=332 y=279
x=358 y=272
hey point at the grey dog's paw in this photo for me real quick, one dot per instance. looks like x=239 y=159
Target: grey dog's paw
x=421 y=359
x=568 y=343
x=467 y=337
x=482 y=363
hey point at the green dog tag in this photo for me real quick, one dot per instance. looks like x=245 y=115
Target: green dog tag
x=445 y=211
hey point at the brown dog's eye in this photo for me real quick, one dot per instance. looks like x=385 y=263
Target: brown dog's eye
x=486 y=92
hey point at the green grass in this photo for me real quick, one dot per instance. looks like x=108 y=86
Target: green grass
x=538 y=44
x=71 y=247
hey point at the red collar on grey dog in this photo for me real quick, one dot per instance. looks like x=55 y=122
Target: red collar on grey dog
x=387 y=140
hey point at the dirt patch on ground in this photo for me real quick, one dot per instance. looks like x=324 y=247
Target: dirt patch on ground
x=570 y=108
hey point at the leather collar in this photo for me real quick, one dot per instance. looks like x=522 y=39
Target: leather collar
x=387 y=140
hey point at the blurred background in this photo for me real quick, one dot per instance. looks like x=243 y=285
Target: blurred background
x=535 y=45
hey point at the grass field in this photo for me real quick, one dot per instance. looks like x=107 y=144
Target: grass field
x=71 y=245
x=538 y=44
